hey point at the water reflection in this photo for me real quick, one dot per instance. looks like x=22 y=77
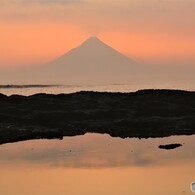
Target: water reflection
x=97 y=164
x=98 y=151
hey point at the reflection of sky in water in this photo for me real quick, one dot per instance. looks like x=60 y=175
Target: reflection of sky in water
x=99 y=151
x=99 y=165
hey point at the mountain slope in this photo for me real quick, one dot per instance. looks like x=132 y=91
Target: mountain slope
x=93 y=56
x=93 y=60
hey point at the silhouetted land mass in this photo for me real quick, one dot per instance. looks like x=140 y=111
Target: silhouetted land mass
x=142 y=114
x=170 y=146
x=26 y=86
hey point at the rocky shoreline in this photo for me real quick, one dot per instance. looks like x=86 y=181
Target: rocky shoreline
x=142 y=114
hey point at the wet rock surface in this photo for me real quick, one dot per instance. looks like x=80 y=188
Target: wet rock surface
x=143 y=114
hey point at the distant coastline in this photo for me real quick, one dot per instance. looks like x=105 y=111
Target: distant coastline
x=27 y=86
x=141 y=114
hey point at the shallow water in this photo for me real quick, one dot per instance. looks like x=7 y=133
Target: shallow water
x=99 y=165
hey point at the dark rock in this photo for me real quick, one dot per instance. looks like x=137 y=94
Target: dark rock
x=142 y=114
x=170 y=146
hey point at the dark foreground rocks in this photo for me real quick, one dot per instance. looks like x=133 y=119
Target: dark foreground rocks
x=143 y=114
x=170 y=146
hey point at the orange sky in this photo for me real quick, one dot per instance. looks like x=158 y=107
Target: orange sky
x=35 y=32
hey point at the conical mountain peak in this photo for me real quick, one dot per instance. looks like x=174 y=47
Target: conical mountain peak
x=91 y=62
x=92 y=59
x=94 y=42
x=93 y=38
x=93 y=53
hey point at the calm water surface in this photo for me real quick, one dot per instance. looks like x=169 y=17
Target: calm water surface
x=96 y=164
x=128 y=87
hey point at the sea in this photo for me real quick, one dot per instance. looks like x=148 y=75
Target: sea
x=97 y=164
x=31 y=89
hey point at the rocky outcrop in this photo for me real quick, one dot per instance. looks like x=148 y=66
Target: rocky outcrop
x=143 y=114
x=170 y=146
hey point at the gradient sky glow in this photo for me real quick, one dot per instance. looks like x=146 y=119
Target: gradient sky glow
x=149 y=31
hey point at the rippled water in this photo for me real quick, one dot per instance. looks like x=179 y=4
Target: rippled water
x=99 y=165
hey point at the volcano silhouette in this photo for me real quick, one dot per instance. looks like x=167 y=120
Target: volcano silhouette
x=92 y=60
x=93 y=56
